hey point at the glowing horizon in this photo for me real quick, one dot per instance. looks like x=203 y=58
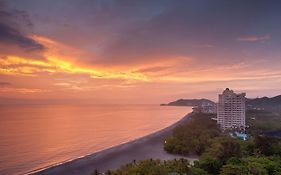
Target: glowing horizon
x=108 y=54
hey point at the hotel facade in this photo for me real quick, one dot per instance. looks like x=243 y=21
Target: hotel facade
x=231 y=110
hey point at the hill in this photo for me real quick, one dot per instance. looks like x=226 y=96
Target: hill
x=190 y=102
x=265 y=103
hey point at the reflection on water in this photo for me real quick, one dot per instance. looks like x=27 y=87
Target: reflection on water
x=36 y=136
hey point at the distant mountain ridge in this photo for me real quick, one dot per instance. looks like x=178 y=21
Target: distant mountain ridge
x=272 y=104
x=265 y=103
x=189 y=102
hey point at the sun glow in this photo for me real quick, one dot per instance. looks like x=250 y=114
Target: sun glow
x=23 y=66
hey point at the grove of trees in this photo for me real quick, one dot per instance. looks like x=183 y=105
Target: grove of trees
x=219 y=153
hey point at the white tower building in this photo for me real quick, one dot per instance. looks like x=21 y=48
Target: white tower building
x=231 y=110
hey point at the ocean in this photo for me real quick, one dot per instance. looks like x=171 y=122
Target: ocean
x=33 y=137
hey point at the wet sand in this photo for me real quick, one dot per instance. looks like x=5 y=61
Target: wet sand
x=150 y=146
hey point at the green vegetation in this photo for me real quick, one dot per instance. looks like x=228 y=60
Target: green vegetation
x=228 y=156
x=219 y=153
x=194 y=136
x=262 y=121
x=253 y=165
x=157 y=167
x=225 y=156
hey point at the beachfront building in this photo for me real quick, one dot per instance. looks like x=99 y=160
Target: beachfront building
x=209 y=108
x=206 y=107
x=231 y=110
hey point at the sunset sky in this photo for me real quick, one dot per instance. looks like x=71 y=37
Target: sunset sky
x=138 y=51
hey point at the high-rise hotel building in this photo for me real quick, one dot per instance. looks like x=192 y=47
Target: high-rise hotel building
x=231 y=110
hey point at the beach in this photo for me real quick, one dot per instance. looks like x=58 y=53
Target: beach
x=150 y=146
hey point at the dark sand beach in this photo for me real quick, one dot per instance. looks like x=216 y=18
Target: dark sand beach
x=150 y=146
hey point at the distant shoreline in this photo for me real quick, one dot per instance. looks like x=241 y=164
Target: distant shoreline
x=150 y=146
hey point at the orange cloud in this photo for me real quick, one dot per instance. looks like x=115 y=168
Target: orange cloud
x=16 y=65
x=254 y=38
x=21 y=90
x=62 y=72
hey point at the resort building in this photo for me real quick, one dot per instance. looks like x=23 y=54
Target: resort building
x=205 y=107
x=231 y=110
x=209 y=108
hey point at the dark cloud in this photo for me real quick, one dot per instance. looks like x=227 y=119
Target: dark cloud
x=12 y=36
x=183 y=24
x=4 y=84
x=4 y=13
x=120 y=32
x=13 y=26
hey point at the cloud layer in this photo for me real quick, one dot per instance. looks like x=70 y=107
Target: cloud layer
x=126 y=50
x=13 y=39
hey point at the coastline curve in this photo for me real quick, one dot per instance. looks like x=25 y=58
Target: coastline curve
x=145 y=147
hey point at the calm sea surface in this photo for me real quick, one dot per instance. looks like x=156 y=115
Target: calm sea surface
x=37 y=136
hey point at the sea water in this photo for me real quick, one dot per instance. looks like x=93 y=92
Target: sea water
x=37 y=136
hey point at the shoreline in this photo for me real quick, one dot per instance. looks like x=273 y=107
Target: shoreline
x=146 y=147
